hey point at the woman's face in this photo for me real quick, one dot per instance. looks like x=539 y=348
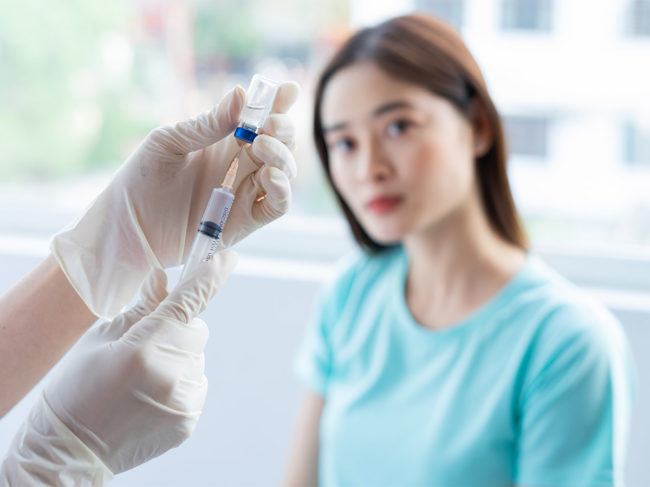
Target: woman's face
x=401 y=157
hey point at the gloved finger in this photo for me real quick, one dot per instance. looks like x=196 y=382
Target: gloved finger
x=280 y=126
x=274 y=153
x=152 y=292
x=167 y=379
x=204 y=129
x=191 y=374
x=182 y=344
x=189 y=395
x=286 y=96
x=274 y=185
x=188 y=399
x=194 y=366
x=191 y=296
x=163 y=349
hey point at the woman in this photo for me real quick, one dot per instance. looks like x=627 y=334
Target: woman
x=447 y=354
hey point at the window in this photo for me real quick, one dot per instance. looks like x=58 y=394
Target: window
x=449 y=10
x=526 y=15
x=527 y=135
x=636 y=144
x=639 y=18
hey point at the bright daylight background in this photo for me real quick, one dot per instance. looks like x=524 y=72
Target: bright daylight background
x=82 y=82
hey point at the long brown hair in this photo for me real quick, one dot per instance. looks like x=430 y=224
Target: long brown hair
x=425 y=51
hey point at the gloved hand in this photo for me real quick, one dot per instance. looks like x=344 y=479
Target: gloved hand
x=130 y=389
x=148 y=215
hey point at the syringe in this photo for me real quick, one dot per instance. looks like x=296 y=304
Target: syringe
x=214 y=219
x=259 y=100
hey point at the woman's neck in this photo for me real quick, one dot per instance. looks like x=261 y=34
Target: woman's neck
x=456 y=267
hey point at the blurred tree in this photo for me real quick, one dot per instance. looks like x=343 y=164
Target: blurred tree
x=53 y=91
x=79 y=81
x=220 y=39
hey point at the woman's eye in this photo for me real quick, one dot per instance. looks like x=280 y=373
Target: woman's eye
x=343 y=145
x=398 y=127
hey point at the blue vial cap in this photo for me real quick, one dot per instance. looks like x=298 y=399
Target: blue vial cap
x=246 y=135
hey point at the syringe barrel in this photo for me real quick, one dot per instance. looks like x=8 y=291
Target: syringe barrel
x=207 y=238
x=218 y=207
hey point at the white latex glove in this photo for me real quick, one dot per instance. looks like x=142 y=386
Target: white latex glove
x=149 y=214
x=130 y=390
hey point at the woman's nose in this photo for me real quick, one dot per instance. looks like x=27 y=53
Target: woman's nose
x=374 y=164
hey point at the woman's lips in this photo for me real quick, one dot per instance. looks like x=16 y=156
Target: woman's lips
x=383 y=204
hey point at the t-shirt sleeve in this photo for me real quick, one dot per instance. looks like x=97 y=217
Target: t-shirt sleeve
x=574 y=409
x=313 y=362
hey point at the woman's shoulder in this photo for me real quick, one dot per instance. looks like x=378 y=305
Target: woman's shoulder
x=565 y=311
x=573 y=336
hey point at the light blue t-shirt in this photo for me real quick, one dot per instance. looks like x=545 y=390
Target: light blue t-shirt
x=531 y=389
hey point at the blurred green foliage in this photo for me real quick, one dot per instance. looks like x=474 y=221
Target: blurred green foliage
x=63 y=108
x=48 y=51
x=218 y=24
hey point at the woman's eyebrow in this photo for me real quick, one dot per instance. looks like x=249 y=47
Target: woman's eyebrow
x=390 y=106
x=335 y=127
x=381 y=110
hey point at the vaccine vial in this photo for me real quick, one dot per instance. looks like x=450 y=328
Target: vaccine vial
x=259 y=101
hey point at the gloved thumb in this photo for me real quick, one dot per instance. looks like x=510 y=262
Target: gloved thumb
x=205 y=129
x=152 y=292
x=192 y=295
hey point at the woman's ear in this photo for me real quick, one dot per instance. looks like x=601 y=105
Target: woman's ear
x=483 y=135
